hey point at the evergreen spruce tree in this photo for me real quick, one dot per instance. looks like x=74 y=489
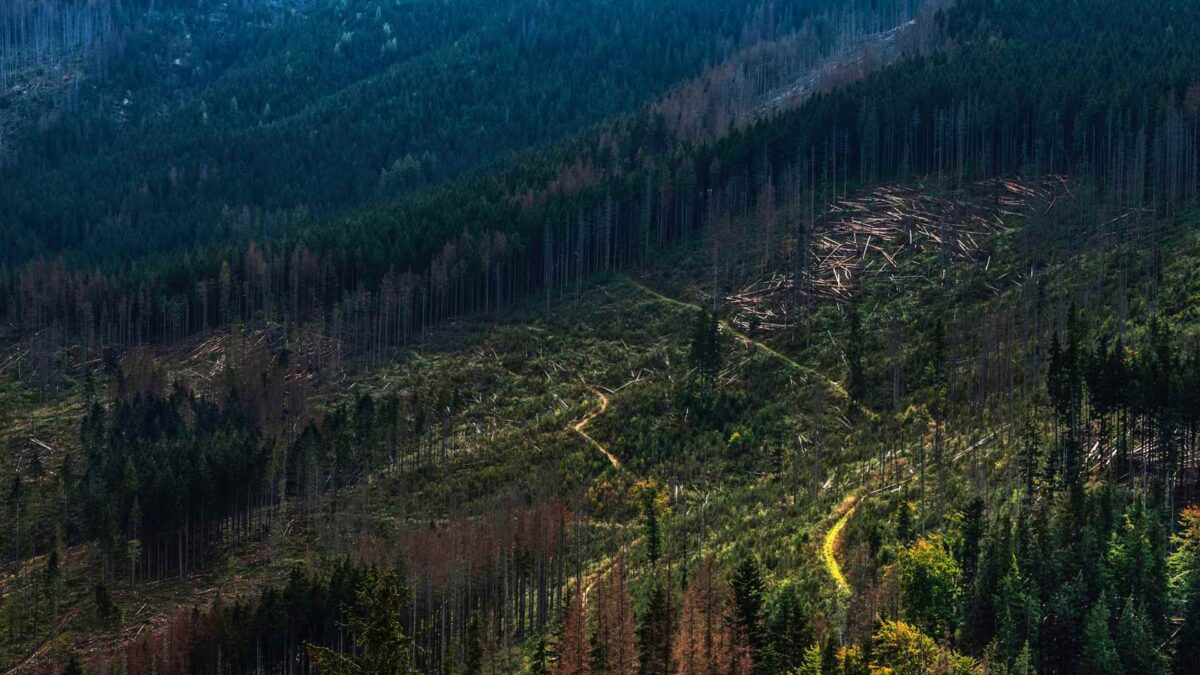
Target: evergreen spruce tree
x=1057 y=384
x=377 y=627
x=697 y=349
x=654 y=632
x=1187 y=643
x=1023 y=664
x=540 y=661
x=904 y=523
x=1030 y=458
x=473 y=645
x=972 y=534
x=813 y=661
x=704 y=354
x=748 y=587
x=653 y=533
x=1136 y=646
x=1018 y=611
x=788 y=630
x=106 y=610
x=1099 y=652
x=73 y=667
x=856 y=384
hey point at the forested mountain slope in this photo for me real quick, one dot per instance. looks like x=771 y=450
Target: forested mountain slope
x=217 y=121
x=898 y=375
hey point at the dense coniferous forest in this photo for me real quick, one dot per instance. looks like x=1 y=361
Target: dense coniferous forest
x=463 y=336
x=299 y=110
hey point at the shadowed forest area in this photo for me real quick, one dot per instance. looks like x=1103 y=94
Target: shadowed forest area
x=628 y=336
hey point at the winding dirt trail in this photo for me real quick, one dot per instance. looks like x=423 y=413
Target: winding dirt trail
x=745 y=339
x=593 y=577
x=829 y=546
x=586 y=420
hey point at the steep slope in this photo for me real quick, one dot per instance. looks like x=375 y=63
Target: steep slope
x=230 y=122
x=957 y=297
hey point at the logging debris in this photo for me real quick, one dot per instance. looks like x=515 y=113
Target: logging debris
x=872 y=232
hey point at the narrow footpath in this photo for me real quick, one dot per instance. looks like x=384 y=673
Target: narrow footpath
x=743 y=338
x=829 y=546
x=586 y=420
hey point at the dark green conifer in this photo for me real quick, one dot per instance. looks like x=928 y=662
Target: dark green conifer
x=1099 y=651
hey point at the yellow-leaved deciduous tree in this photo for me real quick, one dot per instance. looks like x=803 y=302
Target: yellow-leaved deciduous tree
x=845 y=660
x=902 y=649
x=1185 y=561
x=930 y=583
